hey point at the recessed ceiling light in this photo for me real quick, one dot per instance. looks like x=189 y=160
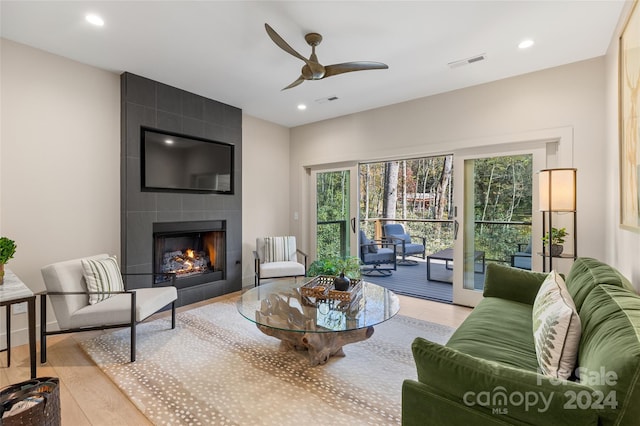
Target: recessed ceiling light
x=524 y=44
x=302 y=107
x=168 y=141
x=94 y=19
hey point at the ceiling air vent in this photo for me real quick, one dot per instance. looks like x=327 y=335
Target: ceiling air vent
x=328 y=99
x=467 y=61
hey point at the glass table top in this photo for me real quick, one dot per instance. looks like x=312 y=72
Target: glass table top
x=281 y=305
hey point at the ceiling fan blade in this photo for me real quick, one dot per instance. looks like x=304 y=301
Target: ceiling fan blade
x=295 y=83
x=279 y=41
x=353 y=66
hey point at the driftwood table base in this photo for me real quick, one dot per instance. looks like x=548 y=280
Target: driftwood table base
x=321 y=346
x=321 y=326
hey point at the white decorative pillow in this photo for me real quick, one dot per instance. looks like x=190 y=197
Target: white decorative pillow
x=279 y=249
x=556 y=328
x=102 y=275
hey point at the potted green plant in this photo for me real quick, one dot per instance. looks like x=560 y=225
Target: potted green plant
x=7 y=250
x=334 y=266
x=557 y=239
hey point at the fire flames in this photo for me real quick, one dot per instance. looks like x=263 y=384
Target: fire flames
x=187 y=262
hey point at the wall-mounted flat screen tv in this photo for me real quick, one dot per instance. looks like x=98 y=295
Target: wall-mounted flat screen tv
x=173 y=162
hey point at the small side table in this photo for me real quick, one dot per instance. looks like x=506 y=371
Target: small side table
x=15 y=291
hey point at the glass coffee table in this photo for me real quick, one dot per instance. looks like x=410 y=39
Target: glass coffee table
x=321 y=326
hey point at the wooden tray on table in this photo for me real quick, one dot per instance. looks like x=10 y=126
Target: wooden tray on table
x=321 y=287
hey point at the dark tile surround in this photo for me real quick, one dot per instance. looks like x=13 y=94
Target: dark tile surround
x=149 y=103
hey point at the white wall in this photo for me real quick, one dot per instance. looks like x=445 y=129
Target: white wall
x=567 y=97
x=59 y=160
x=60 y=165
x=265 y=192
x=622 y=246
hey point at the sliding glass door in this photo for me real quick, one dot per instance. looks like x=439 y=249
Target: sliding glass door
x=334 y=212
x=494 y=202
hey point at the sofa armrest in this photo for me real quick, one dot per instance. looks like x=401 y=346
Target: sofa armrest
x=510 y=283
x=497 y=389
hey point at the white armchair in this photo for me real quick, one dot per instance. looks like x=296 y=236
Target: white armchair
x=66 y=285
x=278 y=257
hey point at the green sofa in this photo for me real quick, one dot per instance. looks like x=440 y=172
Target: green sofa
x=487 y=373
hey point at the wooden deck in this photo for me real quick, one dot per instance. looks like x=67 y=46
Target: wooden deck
x=412 y=281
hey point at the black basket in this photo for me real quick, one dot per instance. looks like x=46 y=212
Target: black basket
x=46 y=411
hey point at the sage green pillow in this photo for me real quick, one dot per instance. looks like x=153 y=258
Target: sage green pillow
x=510 y=283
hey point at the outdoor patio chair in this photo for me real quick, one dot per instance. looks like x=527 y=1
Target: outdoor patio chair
x=277 y=257
x=378 y=257
x=522 y=258
x=88 y=294
x=395 y=233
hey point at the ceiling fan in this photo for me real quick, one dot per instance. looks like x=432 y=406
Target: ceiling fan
x=314 y=70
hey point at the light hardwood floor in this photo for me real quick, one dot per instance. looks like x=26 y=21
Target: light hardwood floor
x=89 y=397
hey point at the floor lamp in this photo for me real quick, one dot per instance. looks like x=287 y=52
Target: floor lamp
x=557 y=194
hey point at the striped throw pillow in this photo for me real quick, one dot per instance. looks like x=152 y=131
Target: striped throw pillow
x=279 y=249
x=102 y=275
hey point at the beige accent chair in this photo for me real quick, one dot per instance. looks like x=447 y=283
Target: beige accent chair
x=288 y=267
x=67 y=289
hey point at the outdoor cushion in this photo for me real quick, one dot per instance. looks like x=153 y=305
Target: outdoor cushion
x=382 y=255
x=367 y=245
x=398 y=238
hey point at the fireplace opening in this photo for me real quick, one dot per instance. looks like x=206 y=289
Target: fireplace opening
x=194 y=254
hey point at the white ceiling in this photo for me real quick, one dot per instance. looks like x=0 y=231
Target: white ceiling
x=219 y=49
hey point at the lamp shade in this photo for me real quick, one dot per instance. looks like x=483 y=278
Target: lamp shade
x=557 y=190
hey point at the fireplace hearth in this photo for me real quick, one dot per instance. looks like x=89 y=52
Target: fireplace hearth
x=194 y=251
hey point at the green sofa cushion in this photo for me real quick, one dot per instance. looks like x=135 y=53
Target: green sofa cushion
x=587 y=273
x=422 y=405
x=511 y=343
x=610 y=345
x=512 y=283
x=468 y=381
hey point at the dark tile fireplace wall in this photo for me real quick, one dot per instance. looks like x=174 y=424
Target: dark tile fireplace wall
x=145 y=102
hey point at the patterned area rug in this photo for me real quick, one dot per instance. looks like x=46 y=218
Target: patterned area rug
x=216 y=367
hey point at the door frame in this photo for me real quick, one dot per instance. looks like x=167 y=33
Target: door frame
x=471 y=297
x=354 y=208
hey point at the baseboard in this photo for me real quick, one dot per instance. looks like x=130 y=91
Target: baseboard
x=20 y=336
